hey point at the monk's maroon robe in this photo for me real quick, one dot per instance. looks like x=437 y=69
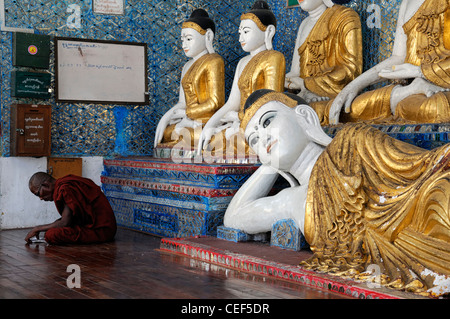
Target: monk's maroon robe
x=93 y=219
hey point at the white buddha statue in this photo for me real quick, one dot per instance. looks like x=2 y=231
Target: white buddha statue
x=360 y=198
x=202 y=89
x=262 y=68
x=327 y=54
x=420 y=57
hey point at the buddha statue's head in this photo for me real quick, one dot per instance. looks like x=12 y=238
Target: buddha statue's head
x=278 y=127
x=257 y=27
x=310 y=5
x=197 y=33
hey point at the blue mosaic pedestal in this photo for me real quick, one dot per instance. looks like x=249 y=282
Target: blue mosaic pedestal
x=237 y=235
x=232 y=234
x=285 y=234
x=172 y=200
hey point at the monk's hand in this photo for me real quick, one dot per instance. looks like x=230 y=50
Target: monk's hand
x=32 y=233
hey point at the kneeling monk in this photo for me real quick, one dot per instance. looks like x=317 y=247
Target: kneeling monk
x=86 y=215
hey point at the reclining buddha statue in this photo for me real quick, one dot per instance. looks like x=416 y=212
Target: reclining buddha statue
x=362 y=199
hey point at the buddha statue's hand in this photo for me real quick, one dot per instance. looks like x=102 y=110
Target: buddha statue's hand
x=311 y=97
x=231 y=116
x=205 y=138
x=343 y=99
x=425 y=87
x=184 y=123
x=178 y=115
x=401 y=71
x=233 y=129
x=163 y=123
x=295 y=83
x=171 y=117
x=417 y=86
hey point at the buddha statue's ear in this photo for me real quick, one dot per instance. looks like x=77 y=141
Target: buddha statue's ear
x=307 y=115
x=268 y=36
x=309 y=120
x=209 y=37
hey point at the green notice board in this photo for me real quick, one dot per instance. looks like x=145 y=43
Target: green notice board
x=30 y=84
x=293 y=3
x=31 y=50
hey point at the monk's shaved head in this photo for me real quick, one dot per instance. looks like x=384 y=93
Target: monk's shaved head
x=38 y=178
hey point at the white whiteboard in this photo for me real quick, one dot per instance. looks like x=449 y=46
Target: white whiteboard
x=98 y=71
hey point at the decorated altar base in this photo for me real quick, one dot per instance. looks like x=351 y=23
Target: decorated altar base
x=263 y=260
x=163 y=198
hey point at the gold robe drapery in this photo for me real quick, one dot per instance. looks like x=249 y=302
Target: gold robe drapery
x=331 y=56
x=204 y=92
x=428 y=46
x=373 y=199
x=266 y=70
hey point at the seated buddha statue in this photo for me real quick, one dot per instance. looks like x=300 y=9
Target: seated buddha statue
x=202 y=89
x=262 y=68
x=327 y=54
x=360 y=199
x=420 y=66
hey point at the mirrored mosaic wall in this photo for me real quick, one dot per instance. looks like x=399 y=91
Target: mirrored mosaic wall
x=109 y=130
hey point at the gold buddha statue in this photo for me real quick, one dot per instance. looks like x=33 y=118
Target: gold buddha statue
x=420 y=64
x=262 y=68
x=327 y=55
x=202 y=89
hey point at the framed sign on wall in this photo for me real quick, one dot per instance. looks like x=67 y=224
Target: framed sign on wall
x=293 y=3
x=108 y=6
x=98 y=71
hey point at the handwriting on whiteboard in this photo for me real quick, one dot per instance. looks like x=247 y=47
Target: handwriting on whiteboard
x=96 y=66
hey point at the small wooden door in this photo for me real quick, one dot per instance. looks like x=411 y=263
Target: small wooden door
x=60 y=167
x=30 y=130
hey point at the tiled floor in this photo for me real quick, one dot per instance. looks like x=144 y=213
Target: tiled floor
x=130 y=267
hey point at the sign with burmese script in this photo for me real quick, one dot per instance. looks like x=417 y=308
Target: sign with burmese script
x=30 y=130
x=98 y=71
x=30 y=84
x=108 y=6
